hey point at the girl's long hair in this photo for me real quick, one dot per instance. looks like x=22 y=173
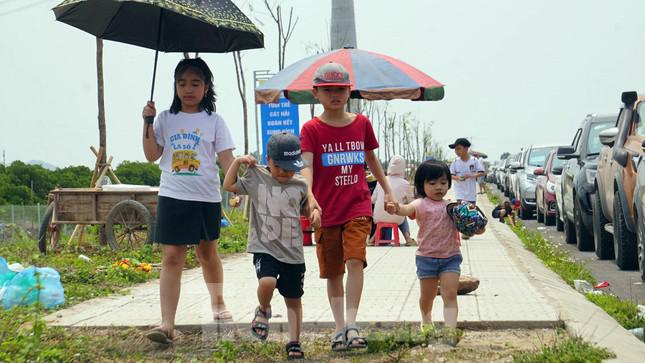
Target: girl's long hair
x=200 y=67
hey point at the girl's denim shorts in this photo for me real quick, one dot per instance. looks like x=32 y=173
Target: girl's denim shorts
x=430 y=267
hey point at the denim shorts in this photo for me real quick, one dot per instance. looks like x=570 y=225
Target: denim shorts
x=430 y=267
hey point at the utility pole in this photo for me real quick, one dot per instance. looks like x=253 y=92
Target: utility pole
x=343 y=32
x=343 y=24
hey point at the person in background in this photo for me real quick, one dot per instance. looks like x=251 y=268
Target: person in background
x=401 y=193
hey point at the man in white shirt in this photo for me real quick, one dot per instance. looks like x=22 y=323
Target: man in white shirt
x=465 y=170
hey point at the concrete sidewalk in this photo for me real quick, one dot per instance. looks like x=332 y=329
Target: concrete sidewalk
x=516 y=291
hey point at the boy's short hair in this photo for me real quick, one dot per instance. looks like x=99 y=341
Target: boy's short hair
x=332 y=74
x=430 y=170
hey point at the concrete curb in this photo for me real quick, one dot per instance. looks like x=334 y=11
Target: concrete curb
x=580 y=316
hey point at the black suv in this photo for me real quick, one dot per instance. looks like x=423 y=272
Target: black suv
x=578 y=175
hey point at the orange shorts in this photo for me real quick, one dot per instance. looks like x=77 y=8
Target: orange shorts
x=337 y=244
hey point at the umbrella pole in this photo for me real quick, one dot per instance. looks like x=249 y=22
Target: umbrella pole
x=150 y=120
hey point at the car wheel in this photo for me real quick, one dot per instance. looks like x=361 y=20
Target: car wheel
x=640 y=233
x=559 y=225
x=549 y=220
x=525 y=213
x=603 y=240
x=624 y=241
x=539 y=214
x=584 y=239
x=569 y=229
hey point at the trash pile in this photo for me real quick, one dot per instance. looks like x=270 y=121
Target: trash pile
x=28 y=286
x=585 y=287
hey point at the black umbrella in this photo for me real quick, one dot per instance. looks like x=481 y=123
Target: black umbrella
x=211 y=26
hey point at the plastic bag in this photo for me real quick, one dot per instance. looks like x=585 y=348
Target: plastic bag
x=32 y=285
x=5 y=273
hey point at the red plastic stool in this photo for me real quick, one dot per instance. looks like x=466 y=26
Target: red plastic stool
x=306 y=231
x=378 y=236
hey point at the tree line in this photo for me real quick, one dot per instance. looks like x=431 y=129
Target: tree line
x=26 y=184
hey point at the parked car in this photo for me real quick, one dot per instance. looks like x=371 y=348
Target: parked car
x=639 y=205
x=511 y=175
x=500 y=174
x=577 y=181
x=525 y=181
x=545 y=203
x=616 y=183
x=559 y=216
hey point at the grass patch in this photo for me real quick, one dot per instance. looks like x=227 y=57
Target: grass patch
x=23 y=334
x=625 y=312
x=569 y=350
x=553 y=257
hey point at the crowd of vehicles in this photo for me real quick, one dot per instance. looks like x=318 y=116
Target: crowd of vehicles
x=593 y=189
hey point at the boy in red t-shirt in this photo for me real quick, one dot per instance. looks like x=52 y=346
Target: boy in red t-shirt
x=336 y=145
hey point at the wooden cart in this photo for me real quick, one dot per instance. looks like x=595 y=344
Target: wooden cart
x=127 y=215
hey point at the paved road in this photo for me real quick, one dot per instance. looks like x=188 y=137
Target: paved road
x=625 y=284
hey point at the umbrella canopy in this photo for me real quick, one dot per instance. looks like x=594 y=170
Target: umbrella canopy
x=212 y=26
x=374 y=77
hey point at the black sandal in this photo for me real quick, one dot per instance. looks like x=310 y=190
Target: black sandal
x=294 y=347
x=259 y=329
x=357 y=342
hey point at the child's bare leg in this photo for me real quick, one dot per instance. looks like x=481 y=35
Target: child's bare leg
x=449 y=286
x=336 y=296
x=170 y=284
x=428 y=293
x=213 y=275
x=266 y=285
x=354 y=288
x=294 y=317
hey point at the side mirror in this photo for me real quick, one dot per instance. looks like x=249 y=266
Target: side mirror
x=566 y=152
x=557 y=170
x=538 y=171
x=608 y=137
x=621 y=156
x=516 y=165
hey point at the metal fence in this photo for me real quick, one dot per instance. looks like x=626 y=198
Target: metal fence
x=17 y=218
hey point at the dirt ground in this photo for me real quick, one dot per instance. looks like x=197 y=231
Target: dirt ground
x=475 y=346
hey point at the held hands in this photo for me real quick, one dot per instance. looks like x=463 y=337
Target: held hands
x=392 y=207
x=247 y=160
x=315 y=215
x=149 y=110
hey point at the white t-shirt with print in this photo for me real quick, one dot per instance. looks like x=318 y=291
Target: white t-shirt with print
x=467 y=189
x=190 y=144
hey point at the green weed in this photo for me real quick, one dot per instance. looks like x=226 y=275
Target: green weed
x=569 y=350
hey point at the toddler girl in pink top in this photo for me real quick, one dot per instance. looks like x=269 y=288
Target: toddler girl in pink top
x=438 y=257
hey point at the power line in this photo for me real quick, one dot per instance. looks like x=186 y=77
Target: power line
x=13 y=11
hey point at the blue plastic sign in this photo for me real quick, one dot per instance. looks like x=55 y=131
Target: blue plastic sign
x=278 y=117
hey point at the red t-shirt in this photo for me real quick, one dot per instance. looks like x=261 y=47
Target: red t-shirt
x=339 y=183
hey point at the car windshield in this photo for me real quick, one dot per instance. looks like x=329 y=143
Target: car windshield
x=538 y=156
x=593 y=143
x=557 y=163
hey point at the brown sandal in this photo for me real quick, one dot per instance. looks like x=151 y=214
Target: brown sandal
x=160 y=336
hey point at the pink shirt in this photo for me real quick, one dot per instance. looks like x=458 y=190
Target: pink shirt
x=339 y=183
x=438 y=237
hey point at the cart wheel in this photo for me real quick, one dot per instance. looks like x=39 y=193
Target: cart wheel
x=129 y=225
x=48 y=233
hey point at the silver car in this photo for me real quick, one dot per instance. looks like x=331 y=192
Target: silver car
x=525 y=181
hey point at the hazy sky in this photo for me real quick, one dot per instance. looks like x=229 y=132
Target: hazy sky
x=516 y=72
